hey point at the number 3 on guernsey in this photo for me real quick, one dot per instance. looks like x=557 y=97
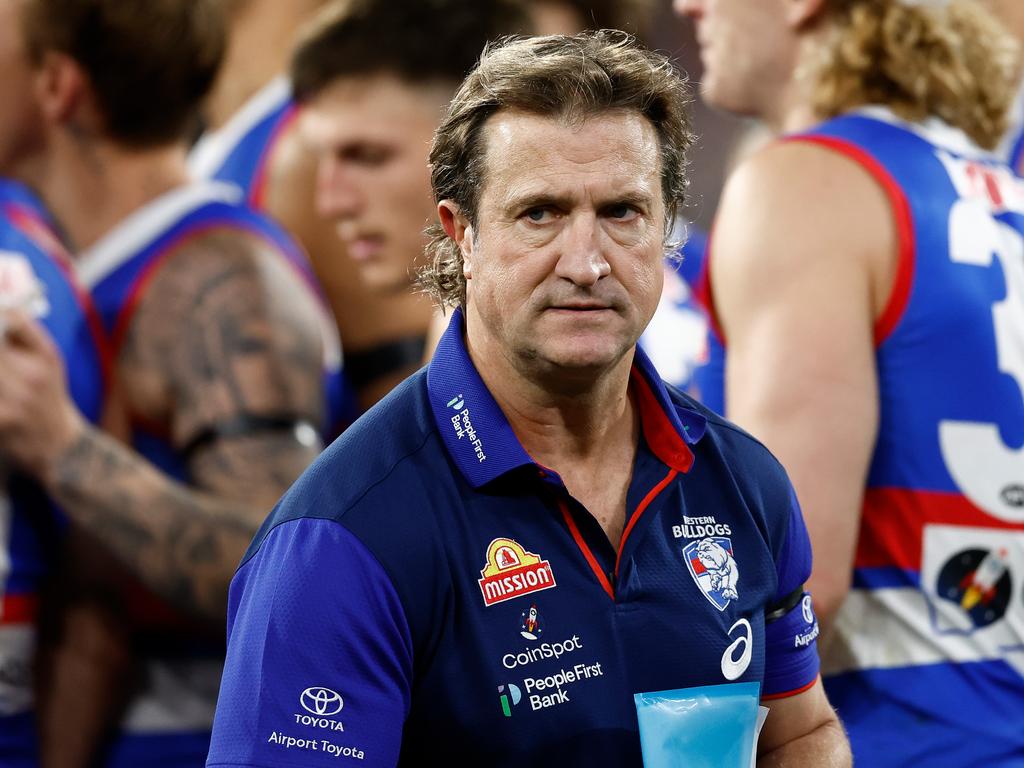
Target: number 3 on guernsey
x=980 y=462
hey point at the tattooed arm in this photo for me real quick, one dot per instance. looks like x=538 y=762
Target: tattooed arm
x=224 y=352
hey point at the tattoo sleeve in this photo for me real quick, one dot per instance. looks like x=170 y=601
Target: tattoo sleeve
x=225 y=333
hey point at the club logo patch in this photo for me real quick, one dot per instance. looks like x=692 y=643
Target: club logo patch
x=511 y=571
x=979 y=582
x=712 y=565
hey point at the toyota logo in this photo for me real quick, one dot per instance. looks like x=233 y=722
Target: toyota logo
x=321 y=701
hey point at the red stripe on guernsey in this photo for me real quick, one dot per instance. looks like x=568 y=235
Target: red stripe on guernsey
x=92 y=318
x=794 y=692
x=651 y=496
x=258 y=193
x=662 y=437
x=893 y=521
x=904 y=277
x=41 y=233
x=575 y=531
x=703 y=294
x=19 y=609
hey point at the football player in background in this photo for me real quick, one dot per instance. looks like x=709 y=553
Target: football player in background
x=867 y=278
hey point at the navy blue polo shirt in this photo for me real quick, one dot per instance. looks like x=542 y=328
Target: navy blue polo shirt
x=428 y=594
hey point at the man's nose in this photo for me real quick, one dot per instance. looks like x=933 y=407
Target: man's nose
x=581 y=258
x=337 y=196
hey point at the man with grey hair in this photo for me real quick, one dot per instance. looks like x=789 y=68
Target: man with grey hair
x=488 y=566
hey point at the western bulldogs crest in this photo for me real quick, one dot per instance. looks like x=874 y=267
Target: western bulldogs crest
x=713 y=567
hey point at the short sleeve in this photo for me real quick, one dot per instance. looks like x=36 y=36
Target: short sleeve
x=791 y=653
x=319 y=657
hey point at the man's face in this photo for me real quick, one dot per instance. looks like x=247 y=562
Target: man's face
x=372 y=138
x=746 y=48
x=19 y=114
x=564 y=269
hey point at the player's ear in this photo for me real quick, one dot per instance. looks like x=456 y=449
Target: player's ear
x=801 y=13
x=459 y=229
x=62 y=91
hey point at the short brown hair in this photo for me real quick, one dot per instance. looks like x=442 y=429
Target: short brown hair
x=951 y=60
x=150 y=62
x=417 y=41
x=570 y=78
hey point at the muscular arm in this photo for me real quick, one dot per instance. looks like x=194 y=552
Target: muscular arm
x=366 y=320
x=803 y=730
x=224 y=352
x=800 y=266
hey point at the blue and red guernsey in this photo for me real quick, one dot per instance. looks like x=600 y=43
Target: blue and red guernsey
x=426 y=589
x=173 y=715
x=931 y=671
x=239 y=154
x=35 y=275
x=240 y=151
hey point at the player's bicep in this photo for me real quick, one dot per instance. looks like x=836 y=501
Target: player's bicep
x=793 y=286
x=319 y=660
x=233 y=334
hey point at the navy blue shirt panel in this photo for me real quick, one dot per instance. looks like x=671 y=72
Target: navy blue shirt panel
x=427 y=537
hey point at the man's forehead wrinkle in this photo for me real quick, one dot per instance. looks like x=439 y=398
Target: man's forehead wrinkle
x=508 y=154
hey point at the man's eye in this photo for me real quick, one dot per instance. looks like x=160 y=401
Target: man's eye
x=620 y=211
x=537 y=214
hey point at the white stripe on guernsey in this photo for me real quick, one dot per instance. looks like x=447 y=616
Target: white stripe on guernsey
x=17 y=652
x=934 y=131
x=213 y=147
x=887 y=628
x=179 y=697
x=145 y=224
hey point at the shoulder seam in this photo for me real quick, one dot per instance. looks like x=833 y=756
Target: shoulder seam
x=336 y=517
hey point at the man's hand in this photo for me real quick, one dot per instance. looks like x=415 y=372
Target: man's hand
x=38 y=420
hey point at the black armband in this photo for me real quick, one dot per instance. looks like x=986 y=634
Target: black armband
x=366 y=365
x=777 y=610
x=245 y=424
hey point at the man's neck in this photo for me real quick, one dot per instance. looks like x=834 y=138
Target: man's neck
x=792 y=107
x=259 y=42
x=91 y=186
x=564 y=418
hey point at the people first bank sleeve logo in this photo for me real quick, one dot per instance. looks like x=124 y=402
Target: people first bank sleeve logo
x=511 y=571
x=712 y=565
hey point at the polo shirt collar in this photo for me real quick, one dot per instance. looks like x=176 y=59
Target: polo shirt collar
x=481 y=442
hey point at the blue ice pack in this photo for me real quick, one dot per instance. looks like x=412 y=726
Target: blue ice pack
x=711 y=726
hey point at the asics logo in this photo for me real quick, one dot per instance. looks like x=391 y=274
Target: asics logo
x=734 y=666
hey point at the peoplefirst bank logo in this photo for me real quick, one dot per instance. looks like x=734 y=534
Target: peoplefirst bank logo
x=512 y=572
x=463 y=425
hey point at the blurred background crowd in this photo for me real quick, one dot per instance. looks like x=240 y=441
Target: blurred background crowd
x=211 y=217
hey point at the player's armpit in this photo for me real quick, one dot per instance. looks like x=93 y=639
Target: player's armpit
x=800 y=268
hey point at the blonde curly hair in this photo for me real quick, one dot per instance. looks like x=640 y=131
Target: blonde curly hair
x=952 y=60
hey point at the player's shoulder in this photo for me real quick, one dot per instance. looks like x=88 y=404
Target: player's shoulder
x=383 y=470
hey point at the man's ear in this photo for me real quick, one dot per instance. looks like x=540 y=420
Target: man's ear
x=802 y=13
x=62 y=91
x=458 y=228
